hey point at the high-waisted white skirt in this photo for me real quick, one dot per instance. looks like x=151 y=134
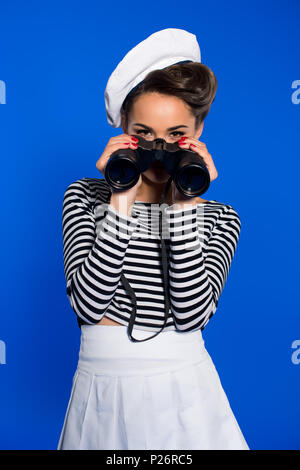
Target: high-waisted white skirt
x=160 y=394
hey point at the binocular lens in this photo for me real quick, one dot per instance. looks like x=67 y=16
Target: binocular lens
x=122 y=171
x=192 y=179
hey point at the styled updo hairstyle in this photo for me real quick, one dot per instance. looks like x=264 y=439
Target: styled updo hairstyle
x=192 y=82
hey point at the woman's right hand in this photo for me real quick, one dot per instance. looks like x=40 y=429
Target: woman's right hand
x=120 y=200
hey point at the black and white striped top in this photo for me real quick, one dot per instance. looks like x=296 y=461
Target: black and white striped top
x=99 y=243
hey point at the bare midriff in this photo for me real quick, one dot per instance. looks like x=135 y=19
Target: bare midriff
x=107 y=321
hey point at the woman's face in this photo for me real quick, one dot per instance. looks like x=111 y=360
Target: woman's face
x=154 y=115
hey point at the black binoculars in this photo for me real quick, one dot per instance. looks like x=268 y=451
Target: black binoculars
x=186 y=167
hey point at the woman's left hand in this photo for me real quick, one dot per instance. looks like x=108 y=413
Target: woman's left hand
x=200 y=148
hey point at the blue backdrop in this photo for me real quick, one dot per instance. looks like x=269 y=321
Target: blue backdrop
x=56 y=58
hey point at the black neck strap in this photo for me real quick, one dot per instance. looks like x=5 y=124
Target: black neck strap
x=165 y=268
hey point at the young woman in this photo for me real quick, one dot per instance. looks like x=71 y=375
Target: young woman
x=164 y=393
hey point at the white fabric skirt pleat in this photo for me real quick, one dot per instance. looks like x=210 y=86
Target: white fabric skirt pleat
x=161 y=394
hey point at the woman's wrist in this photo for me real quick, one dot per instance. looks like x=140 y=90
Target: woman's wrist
x=122 y=203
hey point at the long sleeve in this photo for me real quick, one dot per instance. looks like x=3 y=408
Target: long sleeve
x=198 y=268
x=93 y=253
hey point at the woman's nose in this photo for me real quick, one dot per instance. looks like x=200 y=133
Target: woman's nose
x=166 y=139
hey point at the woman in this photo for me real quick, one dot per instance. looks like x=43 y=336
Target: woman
x=164 y=393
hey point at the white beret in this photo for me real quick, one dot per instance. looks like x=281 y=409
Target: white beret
x=161 y=49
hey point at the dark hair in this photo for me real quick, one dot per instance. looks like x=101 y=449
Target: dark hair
x=192 y=82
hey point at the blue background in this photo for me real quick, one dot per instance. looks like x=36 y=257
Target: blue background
x=56 y=58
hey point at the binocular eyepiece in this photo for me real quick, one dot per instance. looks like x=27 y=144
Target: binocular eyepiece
x=186 y=167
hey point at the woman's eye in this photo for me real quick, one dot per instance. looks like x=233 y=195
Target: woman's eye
x=178 y=134
x=141 y=132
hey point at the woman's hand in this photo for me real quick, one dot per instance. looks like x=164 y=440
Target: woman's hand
x=187 y=142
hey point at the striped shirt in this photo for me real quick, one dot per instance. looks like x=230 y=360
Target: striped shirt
x=99 y=243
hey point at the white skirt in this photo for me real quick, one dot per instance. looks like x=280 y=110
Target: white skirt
x=161 y=394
